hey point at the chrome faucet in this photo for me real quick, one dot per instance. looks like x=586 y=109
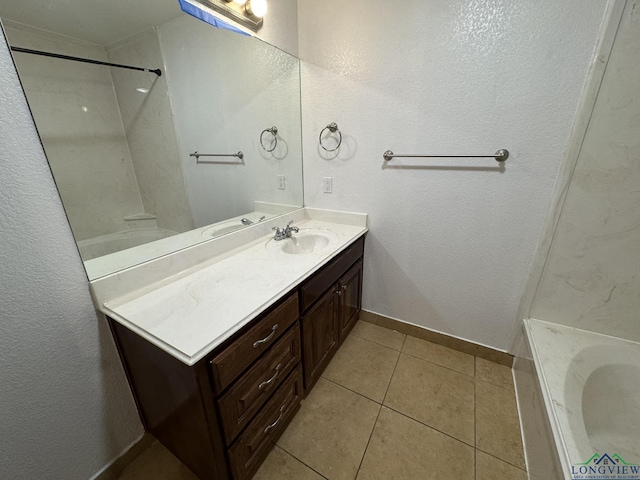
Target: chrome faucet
x=282 y=233
x=246 y=221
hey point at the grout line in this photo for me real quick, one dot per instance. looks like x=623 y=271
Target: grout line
x=350 y=390
x=292 y=455
x=476 y=418
x=502 y=460
x=475 y=422
x=368 y=442
x=439 y=365
x=430 y=426
x=501 y=387
x=375 y=343
x=379 y=410
x=378 y=343
x=392 y=374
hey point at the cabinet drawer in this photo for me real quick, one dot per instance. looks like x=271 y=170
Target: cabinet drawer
x=325 y=278
x=254 y=443
x=240 y=354
x=252 y=390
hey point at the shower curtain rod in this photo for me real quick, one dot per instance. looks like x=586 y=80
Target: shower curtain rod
x=84 y=60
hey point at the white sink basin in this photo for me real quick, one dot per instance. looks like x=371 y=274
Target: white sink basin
x=221 y=229
x=302 y=244
x=307 y=240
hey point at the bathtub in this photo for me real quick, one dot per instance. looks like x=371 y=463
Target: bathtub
x=115 y=242
x=590 y=390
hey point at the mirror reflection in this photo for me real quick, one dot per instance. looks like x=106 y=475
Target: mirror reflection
x=121 y=143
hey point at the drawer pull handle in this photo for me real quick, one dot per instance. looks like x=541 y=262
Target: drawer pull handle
x=257 y=343
x=266 y=383
x=274 y=424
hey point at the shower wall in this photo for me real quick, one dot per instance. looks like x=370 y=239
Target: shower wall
x=148 y=123
x=108 y=132
x=591 y=279
x=78 y=120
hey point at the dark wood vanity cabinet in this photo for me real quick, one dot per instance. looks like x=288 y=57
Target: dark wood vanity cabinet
x=221 y=416
x=329 y=321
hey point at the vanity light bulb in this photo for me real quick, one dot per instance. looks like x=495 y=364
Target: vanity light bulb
x=257 y=8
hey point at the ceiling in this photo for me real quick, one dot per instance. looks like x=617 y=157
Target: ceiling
x=98 y=21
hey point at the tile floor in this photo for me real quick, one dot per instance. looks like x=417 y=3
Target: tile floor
x=390 y=406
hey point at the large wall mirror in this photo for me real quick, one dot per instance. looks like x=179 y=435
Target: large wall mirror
x=119 y=141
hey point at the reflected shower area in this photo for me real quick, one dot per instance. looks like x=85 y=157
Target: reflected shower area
x=122 y=100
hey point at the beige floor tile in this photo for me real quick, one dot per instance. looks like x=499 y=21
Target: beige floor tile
x=497 y=424
x=434 y=395
x=494 y=373
x=279 y=465
x=434 y=353
x=158 y=463
x=363 y=366
x=490 y=468
x=331 y=430
x=377 y=334
x=403 y=449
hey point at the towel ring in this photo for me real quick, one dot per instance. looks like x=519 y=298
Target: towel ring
x=273 y=131
x=333 y=128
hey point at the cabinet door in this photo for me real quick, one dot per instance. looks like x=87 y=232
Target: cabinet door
x=319 y=336
x=350 y=287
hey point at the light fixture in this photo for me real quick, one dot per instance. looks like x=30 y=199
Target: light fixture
x=247 y=13
x=257 y=8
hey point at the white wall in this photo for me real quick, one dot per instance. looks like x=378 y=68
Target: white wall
x=590 y=279
x=244 y=86
x=66 y=406
x=145 y=107
x=280 y=26
x=450 y=248
x=78 y=120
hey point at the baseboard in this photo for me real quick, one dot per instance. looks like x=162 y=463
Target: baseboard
x=113 y=470
x=423 y=333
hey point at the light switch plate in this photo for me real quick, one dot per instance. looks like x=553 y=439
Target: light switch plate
x=282 y=182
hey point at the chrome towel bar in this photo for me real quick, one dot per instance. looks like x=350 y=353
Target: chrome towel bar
x=501 y=155
x=239 y=155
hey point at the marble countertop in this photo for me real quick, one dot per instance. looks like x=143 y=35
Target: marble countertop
x=191 y=313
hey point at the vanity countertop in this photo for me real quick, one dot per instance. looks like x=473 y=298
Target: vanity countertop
x=190 y=314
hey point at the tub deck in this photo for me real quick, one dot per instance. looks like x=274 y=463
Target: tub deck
x=591 y=388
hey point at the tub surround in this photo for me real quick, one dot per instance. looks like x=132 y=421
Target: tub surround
x=585 y=420
x=244 y=274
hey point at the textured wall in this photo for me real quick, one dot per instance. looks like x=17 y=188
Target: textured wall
x=450 y=248
x=146 y=113
x=79 y=122
x=590 y=279
x=66 y=406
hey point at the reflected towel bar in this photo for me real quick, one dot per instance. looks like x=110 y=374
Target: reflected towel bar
x=239 y=155
x=501 y=155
